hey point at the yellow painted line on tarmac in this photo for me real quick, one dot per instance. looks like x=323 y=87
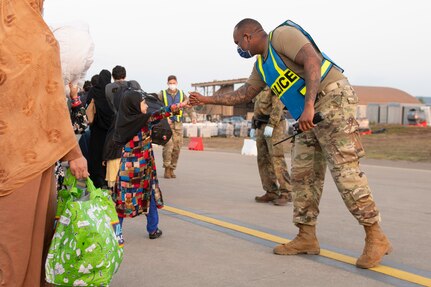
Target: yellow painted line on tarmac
x=389 y=271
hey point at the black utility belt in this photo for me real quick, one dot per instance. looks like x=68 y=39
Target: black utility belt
x=259 y=121
x=265 y=119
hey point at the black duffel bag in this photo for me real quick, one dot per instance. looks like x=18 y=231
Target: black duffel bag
x=161 y=132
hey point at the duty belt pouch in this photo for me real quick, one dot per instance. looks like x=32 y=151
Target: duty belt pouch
x=256 y=124
x=259 y=120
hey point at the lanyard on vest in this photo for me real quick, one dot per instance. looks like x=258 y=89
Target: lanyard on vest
x=169 y=101
x=284 y=82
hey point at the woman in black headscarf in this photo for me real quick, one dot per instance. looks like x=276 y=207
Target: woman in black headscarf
x=137 y=188
x=132 y=116
x=99 y=128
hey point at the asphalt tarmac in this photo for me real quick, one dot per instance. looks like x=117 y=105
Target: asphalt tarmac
x=215 y=234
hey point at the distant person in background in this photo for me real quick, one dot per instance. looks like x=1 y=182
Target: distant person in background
x=99 y=129
x=94 y=80
x=171 y=151
x=84 y=140
x=114 y=92
x=78 y=113
x=84 y=93
x=35 y=132
x=268 y=127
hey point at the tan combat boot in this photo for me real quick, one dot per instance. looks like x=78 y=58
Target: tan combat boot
x=376 y=246
x=167 y=172
x=304 y=243
x=267 y=197
x=284 y=198
x=172 y=173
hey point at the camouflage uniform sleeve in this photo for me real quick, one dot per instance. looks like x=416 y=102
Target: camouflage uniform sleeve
x=255 y=80
x=276 y=112
x=255 y=110
x=190 y=111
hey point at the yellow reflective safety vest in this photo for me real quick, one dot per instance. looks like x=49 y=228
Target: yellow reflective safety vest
x=282 y=80
x=169 y=100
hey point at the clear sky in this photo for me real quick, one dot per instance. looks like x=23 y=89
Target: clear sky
x=377 y=42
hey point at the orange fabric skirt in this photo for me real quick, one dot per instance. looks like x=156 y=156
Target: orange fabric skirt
x=26 y=220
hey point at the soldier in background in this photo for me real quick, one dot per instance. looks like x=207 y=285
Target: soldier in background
x=171 y=151
x=268 y=127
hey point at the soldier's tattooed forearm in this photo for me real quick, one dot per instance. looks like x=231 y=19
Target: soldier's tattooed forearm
x=242 y=95
x=308 y=57
x=313 y=82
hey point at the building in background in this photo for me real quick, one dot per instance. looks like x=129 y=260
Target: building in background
x=388 y=105
x=219 y=112
x=376 y=104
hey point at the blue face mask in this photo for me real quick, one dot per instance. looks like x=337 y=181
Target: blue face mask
x=244 y=53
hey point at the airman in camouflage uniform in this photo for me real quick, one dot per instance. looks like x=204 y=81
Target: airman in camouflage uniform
x=269 y=111
x=287 y=56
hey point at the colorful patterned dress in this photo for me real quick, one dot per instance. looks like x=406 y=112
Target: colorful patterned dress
x=137 y=178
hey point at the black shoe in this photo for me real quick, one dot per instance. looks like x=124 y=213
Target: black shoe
x=155 y=234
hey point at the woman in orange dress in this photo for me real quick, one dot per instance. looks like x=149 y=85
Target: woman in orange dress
x=35 y=132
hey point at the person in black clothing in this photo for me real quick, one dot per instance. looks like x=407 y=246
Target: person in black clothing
x=84 y=93
x=114 y=92
x=99 y=128
x=94 y=80
x=84 y=141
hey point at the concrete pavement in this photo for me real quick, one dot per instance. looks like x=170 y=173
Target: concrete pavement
x=210 y=210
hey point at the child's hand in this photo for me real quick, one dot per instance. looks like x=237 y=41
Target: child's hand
x=187 y=104
x=175 y=109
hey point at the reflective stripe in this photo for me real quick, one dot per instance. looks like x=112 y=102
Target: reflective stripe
x=165 y=99
x=167 y=103
x=181 y=100
x=324 y=70
x=260 y=68
x=279 y=70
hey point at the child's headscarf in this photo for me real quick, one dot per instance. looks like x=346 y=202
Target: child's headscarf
x=130 y=119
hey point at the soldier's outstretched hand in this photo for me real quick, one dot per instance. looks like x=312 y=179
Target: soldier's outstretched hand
x=196 y=99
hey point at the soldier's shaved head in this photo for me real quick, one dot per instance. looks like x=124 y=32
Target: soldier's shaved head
x=248 y=24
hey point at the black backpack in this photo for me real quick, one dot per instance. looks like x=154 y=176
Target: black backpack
x=161 y=132
x=117 y=94
x=111 y=149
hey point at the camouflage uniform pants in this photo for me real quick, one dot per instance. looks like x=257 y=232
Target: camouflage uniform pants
x=334 y=142
x=271 y=162
x=171 y=150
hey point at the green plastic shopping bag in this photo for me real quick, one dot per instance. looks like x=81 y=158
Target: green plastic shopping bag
x=87 y=247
